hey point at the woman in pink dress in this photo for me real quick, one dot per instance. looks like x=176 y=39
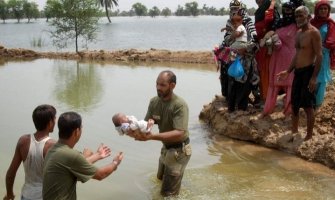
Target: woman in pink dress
x=283 y=53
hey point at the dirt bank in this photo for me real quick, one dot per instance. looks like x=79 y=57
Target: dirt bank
x=274 y=131
x=131 y=55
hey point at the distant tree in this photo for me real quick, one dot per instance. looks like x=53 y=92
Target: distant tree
x=192 y=8
x=30 y=10
x=166 y=12
x=180 y=11
x=251 y=11
x=204 y=10
x=124 y=13
x=4 y=12
x=16 y=7
x=51 y=8
x=108 y=4
x=74 y=20
x=223 y=11
x=154 y=11
x=140 y=9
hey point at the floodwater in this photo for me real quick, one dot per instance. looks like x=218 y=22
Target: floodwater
x=174 y=33
x=220 y=168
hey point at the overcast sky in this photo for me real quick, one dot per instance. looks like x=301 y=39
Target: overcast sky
x=172 y=4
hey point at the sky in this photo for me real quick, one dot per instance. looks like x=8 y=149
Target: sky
x=172 y=4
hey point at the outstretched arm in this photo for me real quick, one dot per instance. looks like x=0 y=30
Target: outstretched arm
x=102 y=152
x=105 y=171
x=87 y=152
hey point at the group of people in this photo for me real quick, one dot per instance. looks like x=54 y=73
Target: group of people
x=269 y=50
x=53 y=168
x=290 y=54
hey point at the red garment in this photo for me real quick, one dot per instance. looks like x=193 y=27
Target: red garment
x=263 y=61
x=332 y=59
x=281 y=58
x=318 y=21
x=262 y=57
x=262 y=27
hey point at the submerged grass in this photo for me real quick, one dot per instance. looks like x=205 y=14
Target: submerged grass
x=37 y=42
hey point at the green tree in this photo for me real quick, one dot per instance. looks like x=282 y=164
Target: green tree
x=49 y=8
x=154 y=11
x=180 y=11
x=16 y=7
x=192 y=8
x=108 y=4
x=74 y=20
x=3 y=11
x=140 y=9
x=204 y=10
x=30 y=10
x=166 y=12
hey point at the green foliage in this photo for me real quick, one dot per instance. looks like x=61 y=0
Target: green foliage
x=74 y=20
x=30 y=10
x=108 y=4
x=52 y=7
x=166 y=12
x=154 y=11
x=16 y=7
x=180 y=11
x=140 y=9
x=192 y=8
x=4 y=12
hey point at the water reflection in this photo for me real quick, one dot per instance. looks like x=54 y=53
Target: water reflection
x=77 y=85
x=219 y=168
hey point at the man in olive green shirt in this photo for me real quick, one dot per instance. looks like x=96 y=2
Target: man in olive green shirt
x=64 y=166
x=170 y=113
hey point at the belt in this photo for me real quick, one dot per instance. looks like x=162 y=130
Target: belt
x=178 y=145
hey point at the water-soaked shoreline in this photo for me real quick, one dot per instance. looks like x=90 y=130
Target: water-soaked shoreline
x=131 y=55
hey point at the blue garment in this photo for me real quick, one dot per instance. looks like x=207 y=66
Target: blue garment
x=324 y=76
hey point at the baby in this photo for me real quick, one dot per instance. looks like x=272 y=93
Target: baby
x=124 y=123
x=238 y=36
x=239 y=33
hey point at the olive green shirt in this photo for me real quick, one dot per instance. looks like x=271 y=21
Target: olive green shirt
x=169 y=115
x=62 y=169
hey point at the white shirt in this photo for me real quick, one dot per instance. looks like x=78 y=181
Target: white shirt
x=33 y=168
x=243 y=37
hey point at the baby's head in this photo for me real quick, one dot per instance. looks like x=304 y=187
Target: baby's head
x=237 y=20
x=119 y=118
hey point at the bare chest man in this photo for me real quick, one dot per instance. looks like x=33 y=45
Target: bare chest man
x=305 y=53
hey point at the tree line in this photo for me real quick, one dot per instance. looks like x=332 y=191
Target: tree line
x=19 y=9
x=77 y=20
